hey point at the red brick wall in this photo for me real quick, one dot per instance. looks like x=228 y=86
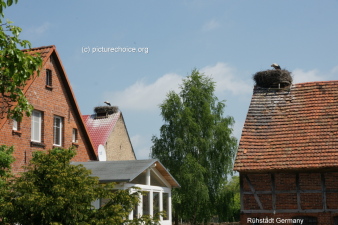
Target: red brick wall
x=52 y=102
x=285 y=184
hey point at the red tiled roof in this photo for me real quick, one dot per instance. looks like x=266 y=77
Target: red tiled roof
x=44 y=51
x=100 y=129
x=291 y=130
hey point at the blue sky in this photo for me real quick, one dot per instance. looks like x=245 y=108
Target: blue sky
x=227 y=40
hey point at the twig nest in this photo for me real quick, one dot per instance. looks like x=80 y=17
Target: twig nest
x=273 y=78
x=106 y=109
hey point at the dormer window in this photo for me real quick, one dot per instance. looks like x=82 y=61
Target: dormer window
x=49 y=79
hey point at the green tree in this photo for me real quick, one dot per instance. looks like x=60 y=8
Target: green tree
x=196 y=145
x=228 y=203
x=53 y=191
x=16 y=67
x=6 y=160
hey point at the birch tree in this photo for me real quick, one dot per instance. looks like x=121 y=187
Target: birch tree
x=196 y=145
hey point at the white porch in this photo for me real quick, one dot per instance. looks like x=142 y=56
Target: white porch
x=148 y=175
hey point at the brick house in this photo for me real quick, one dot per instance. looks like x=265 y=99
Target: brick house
x=109 y=134
x=287 y=157
x=56 y=120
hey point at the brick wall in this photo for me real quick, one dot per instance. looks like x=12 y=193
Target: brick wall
x=52 y=101
x=118 y=146
x=286 y=195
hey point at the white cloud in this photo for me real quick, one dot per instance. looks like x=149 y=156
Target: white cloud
x=147 y=97
x=142 y=96
x=226 y=79
x=301 y=76
x=211 y=25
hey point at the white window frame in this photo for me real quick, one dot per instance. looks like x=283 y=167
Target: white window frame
x=75 y=135
x=151 y=189
x=56 y=134
x=15 y=125
x=36 y=125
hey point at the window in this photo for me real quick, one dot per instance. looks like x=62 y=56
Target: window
x=16 y=125
x=74 y=136
x=165 y=206
x=58 y=130
x=16 y=128
x=36 y=126
x=146 y=203
x=49 y=78
x=140 y=179
x=155 y=180
x=156 y=204
x=135 y=211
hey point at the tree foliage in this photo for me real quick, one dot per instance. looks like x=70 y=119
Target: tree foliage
x=16 y=67
x=6 y=160
x=228 y=203
x=53 y=191
x=196 y=145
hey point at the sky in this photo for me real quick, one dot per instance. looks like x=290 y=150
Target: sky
x=132 y=53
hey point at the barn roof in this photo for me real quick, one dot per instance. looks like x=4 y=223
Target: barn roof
x=292 y=129
x=125 y=171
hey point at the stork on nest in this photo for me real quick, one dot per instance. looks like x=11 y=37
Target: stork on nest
x=108 y=103
x=276 y=66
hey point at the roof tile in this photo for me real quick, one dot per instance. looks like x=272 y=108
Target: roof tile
x=292 y=129
x=100 y=129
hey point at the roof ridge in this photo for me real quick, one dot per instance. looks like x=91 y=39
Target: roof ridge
x=38 y=48
x=309 y=82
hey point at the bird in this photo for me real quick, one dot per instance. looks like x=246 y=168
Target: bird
x=108 y=103
x=276 y=66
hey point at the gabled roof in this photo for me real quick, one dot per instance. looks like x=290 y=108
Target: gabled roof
x=100 y=129
x=50 y=51
x=125 y=171
x=291 y=130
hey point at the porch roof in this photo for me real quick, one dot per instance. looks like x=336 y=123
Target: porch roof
x=126 y=170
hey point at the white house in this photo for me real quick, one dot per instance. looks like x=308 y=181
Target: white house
x=149 y=175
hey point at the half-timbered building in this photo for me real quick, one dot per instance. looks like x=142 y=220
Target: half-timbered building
x=288 y=156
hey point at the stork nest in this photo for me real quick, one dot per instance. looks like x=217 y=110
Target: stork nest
x=106 y=109
x=273 y=78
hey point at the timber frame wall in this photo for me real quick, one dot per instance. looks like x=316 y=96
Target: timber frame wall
x=300 y=192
